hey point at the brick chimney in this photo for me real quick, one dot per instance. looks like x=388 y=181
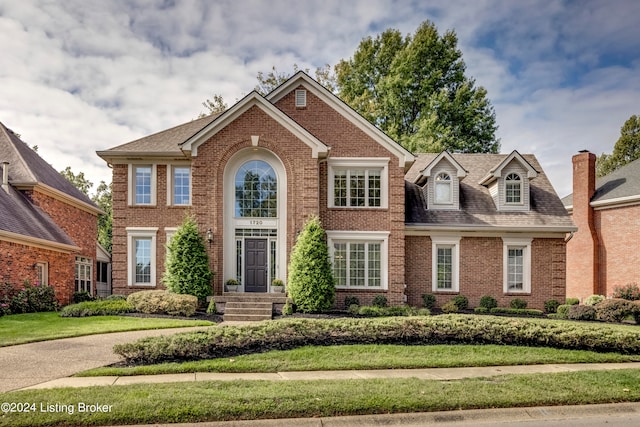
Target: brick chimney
x=5 y=176
x=582 y=249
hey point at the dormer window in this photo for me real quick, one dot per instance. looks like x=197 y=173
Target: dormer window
x=513 y=189
x=443 y=188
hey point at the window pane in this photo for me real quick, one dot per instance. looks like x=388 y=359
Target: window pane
x=515 y=270
x=443 y=192
x=445 y=268
x=340 y=263
x=356 y=264
x=256 y=190
x=340 y=188
x=181 y=186
x=374 y=265
x=513 y=192
x=374 y=188
x=143 y=260
x=143 y=185
x=357 y=187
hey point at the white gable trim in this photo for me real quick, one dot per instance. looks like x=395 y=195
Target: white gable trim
x=460 y=171
x=496 y=172
x=405 y=157
x=319 y=150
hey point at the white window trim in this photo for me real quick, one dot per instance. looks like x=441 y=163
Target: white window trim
x=132 y=184
x=516 y=242
x=350 y=163
x=520 y=183
x=45 y=272
x=381 y=237
x=132 y=234
x=454 y=243
x=449 y=183
x=170 y=184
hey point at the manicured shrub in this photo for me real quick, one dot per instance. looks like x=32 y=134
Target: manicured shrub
x=594 y=299
x=581 y=312
x=517 y=311
x=97 y=308
x=461 y=302
x=33 y=299
x=450 y=307
x=211 y=308
x=290 y=333
x=187 y=267
x=403 y=310
x=350 y=300
x=379 y=301
x=563 y=310
x=82 y=297
x=115 y=297
x=518 y=303
x=481 y=310
x=572 y=301
x=488 y=302
x=163 y=302
x=287 y=309
x=636 y=312
x=615 y=310
x=551 y=306
x=630 y=292
x=429 y=301
x=311 y=284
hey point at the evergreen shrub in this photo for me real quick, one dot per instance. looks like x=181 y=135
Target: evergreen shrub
x=163 y=302
x=429 y=301
x=488 y=302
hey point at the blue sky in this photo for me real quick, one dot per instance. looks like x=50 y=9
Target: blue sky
x=84 y=75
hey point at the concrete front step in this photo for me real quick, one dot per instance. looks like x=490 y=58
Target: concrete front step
x=250 y=297
x=247 y=311
x=245 y=317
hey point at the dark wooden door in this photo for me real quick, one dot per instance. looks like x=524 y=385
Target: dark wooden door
x=255 y=265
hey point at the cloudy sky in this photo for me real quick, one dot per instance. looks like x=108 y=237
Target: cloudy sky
x=78 y=76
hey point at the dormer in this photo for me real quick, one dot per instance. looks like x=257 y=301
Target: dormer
x=508 y=183
x=440 y=182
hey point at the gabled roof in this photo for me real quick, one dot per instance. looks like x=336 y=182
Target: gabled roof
x=27 y=170
x=477 y=208
x=460 y=171
x=619 y=187
x=318 y=148
x=405 y=157
x=496 y=172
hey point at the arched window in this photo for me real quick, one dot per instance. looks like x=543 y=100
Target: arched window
x=443 y=188
x=513 y=188
x=256 y=186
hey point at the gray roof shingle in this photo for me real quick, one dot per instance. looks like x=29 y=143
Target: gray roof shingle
x=477 y=207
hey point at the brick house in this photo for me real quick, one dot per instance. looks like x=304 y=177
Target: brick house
x=253 y=174
x=605 y=251
x=48 y=227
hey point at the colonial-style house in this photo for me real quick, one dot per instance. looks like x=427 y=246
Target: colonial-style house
x=397 y=224
x=605 y=251
x=48 y=228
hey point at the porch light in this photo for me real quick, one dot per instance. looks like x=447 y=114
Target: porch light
x=209 y=236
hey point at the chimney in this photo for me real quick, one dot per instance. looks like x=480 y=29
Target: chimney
x=5 y=176
x=583 y=250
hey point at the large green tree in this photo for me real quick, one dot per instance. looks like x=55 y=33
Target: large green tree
x=625 y=150
x=415 y=89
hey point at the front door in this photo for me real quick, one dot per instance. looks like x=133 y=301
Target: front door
x=255 y=265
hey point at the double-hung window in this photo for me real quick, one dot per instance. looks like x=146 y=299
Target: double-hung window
x=445 y=263
x=181 y=185
x=513 y=189
x=141 y=254
x=42 y=272
x=359 y=259
x=358 y=183
x=83 y=274
x=517 y=265
x=142 y=185
x=444 y=192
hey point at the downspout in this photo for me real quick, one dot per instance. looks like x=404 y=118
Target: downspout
x=569 y=237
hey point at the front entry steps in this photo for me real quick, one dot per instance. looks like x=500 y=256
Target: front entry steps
x=243 y=307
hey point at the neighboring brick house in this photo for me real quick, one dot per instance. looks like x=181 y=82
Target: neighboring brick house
x=252 y=175
x=48 y=228
x=605 y=251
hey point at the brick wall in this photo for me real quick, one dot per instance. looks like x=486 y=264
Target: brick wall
x=18 y=262
x=481 y=271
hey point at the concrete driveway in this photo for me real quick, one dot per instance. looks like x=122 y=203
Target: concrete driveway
x=29 y=364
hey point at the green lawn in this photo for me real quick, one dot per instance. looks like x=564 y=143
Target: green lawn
x=350 y=357
x=31 y=327
x=217 y=401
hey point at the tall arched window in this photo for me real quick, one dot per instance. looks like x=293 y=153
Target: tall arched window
x=513 y=188
x=443 y=188
x=256 y=186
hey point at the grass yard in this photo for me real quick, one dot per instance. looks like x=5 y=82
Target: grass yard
x=218 y=401
x=31 y=327
x=350 y=357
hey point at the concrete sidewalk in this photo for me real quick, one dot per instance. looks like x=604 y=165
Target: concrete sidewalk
x=443 y=374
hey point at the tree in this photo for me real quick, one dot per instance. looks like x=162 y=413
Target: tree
x=214 y=106
x=187 y=267
x=625 y=150
x=79 y=180
x=311 y=283
x=103 y=199
x=267 y=82
x=415 y=90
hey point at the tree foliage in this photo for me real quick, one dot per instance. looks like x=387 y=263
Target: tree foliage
x=267 y=82
x=187 y=267
x=78 y=180
x=414 y=88
x=311 y=283
x=216 y=105
x=625 y=150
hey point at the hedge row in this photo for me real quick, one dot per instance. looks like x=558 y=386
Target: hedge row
x=110 y=307
x=446 y=329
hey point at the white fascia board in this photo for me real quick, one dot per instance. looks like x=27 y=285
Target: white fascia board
x=405 y=157
x=423 y=229
x=497 y=171
x=319 y=149
x=617 y=202
x=460 y=171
